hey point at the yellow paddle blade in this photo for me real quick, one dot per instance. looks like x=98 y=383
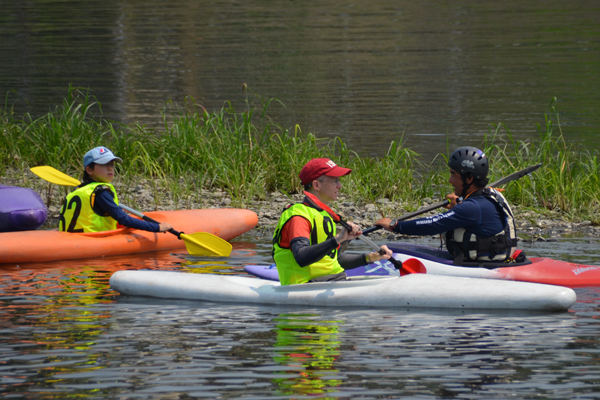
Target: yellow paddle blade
x=206 y=244
x=54 y=176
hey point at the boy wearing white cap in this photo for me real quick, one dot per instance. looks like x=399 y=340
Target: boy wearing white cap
x=94 y=205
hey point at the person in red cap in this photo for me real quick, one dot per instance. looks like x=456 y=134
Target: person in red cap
x=306 y=244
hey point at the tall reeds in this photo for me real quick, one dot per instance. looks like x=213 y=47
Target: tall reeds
x=568 y=180
x=249 y=156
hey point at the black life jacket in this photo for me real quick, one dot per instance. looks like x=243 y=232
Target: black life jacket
x=467 y=247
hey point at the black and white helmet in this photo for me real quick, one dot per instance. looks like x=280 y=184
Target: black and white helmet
x=469 y=159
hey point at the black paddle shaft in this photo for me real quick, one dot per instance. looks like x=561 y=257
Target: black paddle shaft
x=147 y=218
x=512 y=177
x=396 y=263
x=171 y=231
x=410 y=215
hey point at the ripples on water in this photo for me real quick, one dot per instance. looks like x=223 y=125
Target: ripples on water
x=65 y=333
x=368 y=71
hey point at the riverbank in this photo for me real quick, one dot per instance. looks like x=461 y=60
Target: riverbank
x=244 y=159
x=533 y=224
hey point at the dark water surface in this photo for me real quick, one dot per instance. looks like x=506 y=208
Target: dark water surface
x=368 y=71
x=65 y=333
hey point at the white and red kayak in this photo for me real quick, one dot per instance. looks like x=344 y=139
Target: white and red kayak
x=430 y=260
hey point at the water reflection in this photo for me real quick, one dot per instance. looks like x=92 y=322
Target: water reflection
x=66 y=334
x=52 y=316
x=241 y=255
x=309 y=347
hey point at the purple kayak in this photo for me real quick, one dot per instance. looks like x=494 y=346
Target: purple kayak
x=21 y=209
x=378 y=268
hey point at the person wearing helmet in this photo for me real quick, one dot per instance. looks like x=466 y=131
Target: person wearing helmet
x=479 y=225
x=306 y=244
x=94 y=206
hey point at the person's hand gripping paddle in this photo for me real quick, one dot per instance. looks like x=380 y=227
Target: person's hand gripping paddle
x=410 y=267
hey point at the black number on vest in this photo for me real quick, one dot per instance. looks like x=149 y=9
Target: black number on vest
x=77 y=201
x=61 y=218
x=328 y=228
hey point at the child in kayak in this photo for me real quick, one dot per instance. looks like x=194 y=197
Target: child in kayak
x=306 y=244
x=94 y=206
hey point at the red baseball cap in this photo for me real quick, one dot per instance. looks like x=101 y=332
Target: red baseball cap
x=318 y=167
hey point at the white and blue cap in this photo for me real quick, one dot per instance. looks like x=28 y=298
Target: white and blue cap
x=99 y=155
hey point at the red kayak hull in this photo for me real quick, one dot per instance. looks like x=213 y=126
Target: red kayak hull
x=553 y=272
x=540 y=270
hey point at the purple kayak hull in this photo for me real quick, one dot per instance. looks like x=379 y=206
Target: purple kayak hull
x=21 y=209
x=378 y=268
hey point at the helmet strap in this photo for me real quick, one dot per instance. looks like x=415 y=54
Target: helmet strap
x=465 y=187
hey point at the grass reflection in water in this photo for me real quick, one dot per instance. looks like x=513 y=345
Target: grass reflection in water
x=52 y=315
x=308 y=347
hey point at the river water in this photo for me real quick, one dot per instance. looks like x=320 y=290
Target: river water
x=436 y=73
x=66 y=334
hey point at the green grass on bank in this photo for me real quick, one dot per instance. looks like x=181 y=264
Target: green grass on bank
x=247 y=154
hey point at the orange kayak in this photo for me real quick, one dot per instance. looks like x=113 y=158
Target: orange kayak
x=52 y=245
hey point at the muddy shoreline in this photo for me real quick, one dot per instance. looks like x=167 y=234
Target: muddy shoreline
x=532 y=224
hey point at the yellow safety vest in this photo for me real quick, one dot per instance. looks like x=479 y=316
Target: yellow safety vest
x=322 y=228
x=78 y=215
